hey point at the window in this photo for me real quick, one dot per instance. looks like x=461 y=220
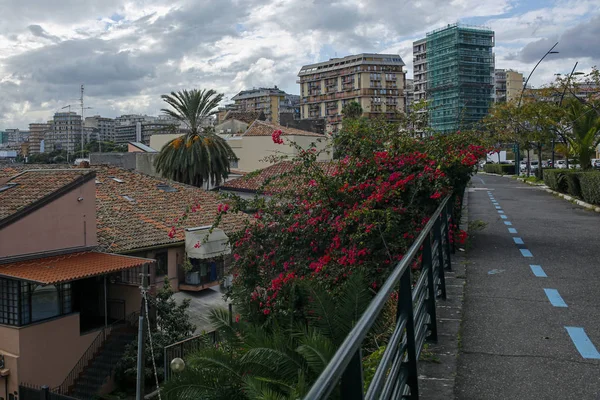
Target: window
x=44 y=303
x=162 y=263
x=9 y=295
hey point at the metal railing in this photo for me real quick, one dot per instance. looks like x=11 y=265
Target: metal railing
x=185 y=347
x=84 y=361
x=32 y=392
x=91 y=352
x=396 y=376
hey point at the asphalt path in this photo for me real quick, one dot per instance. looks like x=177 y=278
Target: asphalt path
x=531 y=316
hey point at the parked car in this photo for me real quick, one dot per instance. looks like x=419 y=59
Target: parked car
x=596 y=163
x=561 y=164
x=534 y=166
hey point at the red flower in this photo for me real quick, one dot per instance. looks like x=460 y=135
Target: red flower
x=223 y=208
x=276 y=136
x=436 y=195
x=172 y=232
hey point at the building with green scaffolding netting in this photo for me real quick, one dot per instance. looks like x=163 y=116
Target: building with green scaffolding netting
x=460 y=76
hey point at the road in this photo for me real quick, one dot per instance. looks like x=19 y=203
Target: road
x=531 y=316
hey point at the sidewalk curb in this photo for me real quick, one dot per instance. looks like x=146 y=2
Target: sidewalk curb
x=437 y=373
x=541 y=186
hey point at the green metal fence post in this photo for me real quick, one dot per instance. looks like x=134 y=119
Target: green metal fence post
x=437 y=234
x=352 y=379
x=405 y=305
x=427 y=265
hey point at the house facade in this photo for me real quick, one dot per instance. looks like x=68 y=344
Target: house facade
x=58 y=294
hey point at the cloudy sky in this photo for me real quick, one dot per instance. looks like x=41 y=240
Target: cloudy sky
x=129 y=52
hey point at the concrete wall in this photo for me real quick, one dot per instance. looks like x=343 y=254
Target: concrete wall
x=254 y=149
x=233 y=124
x=43 y=353
x=139 y=161
x=158 y=141
x=64 y=223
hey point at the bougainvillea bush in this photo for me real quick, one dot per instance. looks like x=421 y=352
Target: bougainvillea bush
x=324 y=221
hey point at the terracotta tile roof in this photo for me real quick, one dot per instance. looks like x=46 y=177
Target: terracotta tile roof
x=253 y=181
x=145 y=217
x=245 y=116
x=69 y=267
x=261 y=128
x=27 y=189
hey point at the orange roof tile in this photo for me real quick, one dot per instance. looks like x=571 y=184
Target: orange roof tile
x=32 y=186
x=125 y=225
x=262 y=128
x=69 y=267
x=254 y=181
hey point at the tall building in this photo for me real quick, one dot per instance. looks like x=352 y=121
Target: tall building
x=459 y=78
x=409 y=95
x=420 y=70
x=102 y=126
x=37 y=137
x=266 y=100
x=375 y=81
x=66 y=132
x=514 y=85
x=500 y=86
x=290 y=105
x=15 y=136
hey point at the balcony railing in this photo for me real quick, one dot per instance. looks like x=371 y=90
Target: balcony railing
x=396 y=376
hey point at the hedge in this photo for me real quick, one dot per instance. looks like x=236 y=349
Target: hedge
x=501 y=169
x=585 y=185
x=551 y=178
x=590 y=187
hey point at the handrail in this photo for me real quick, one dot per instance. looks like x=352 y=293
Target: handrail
x=91 y=351
x=347 y=361
x=83 y=361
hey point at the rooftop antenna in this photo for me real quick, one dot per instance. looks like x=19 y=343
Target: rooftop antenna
x=83 y=119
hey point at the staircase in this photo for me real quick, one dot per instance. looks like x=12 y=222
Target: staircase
x=101 y=367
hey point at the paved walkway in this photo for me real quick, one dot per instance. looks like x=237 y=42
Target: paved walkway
x=531 y=327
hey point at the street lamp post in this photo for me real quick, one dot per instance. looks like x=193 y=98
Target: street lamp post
x=517 y=155
x=562 y=96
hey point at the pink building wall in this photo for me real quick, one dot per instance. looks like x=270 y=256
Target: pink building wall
x=62 y=224
x=43 y=353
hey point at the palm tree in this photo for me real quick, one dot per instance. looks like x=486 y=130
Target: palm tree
x=199 y=155
x=585 y=125
x=277 y=361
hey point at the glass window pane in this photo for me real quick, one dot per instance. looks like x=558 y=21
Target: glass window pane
x=44 y=303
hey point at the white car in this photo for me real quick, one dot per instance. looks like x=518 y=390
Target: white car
x=561 y=164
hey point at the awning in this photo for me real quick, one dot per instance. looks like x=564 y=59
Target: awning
x=199 y=243
x=69 y=267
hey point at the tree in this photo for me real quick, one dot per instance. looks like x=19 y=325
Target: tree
x=352 y=110
x=199 y=155
x=171 y=324
x=585 y=129
x=279 y=360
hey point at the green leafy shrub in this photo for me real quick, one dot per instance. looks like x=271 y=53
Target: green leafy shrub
x=571 y=179
x=501 y=169
x=552 y=178
x=590 y=187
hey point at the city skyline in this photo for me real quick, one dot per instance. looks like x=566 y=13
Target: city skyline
x=128 y=53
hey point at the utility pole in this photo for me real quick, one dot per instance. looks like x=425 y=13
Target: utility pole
x=139 y=393
x=82 y=119
x=68 y=128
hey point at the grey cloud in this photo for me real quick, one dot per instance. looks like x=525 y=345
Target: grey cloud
x=38 y=31
x=579 y=41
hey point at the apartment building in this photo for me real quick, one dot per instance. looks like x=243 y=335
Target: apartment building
x=15 y=136
x=420 y=70
x=37 y=134
x=409 y=95
x=514 y=85
x=267 y=100
x=102 y=126
x=375 y=81
x=500 y=86
x=66 y=132
x=456 y=75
